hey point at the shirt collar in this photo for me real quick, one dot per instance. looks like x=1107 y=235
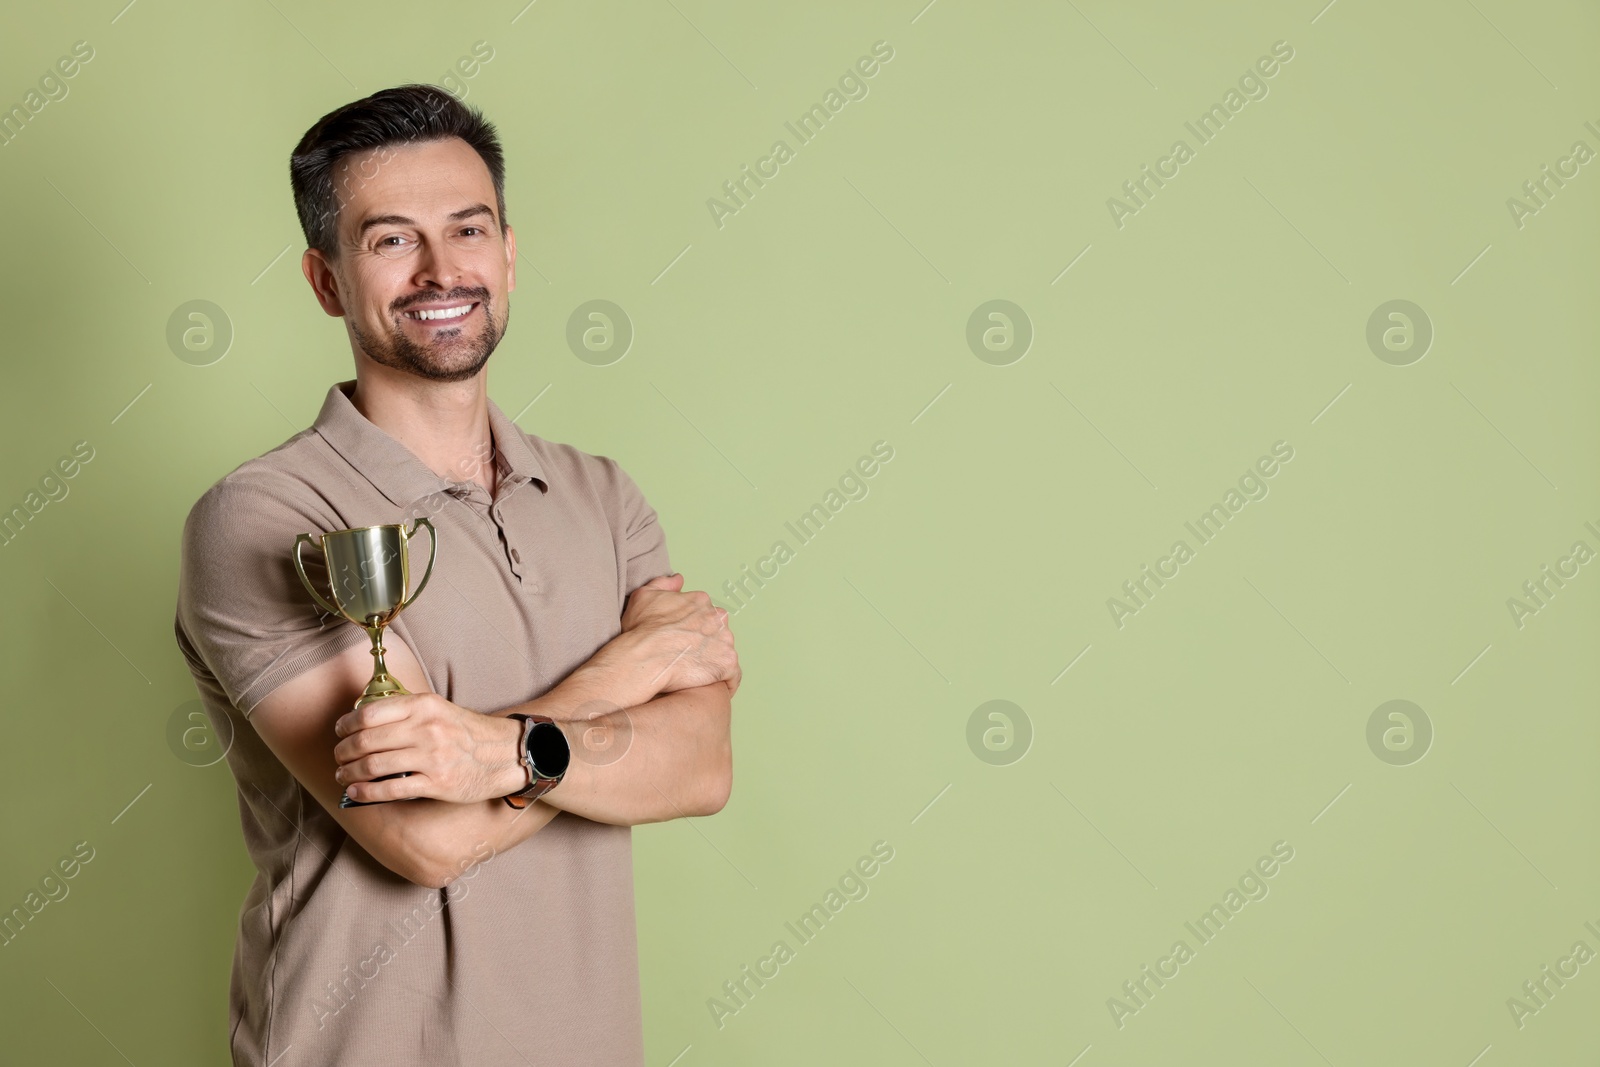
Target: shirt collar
x=396 y=471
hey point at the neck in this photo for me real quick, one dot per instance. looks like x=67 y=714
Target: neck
x=444 y=424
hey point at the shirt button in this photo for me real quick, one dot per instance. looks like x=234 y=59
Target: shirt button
x=516 y=556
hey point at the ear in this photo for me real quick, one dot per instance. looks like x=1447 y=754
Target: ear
x=511 y=260
x=324 y=282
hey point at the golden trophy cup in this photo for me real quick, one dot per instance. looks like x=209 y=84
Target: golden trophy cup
x=369 y=569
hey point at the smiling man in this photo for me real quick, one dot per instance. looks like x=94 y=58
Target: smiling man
x=565 y=686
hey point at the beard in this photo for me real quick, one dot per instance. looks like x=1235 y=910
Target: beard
x=452 y=356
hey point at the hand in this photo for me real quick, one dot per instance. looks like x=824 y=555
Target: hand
x=684 y=639
x=453 y=753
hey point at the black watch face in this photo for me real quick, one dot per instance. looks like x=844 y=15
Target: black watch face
x=548 y=749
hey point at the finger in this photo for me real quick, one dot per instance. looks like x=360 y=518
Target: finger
x=373 y=739
x=373 y=713
x=413 y=785
x=377 y=765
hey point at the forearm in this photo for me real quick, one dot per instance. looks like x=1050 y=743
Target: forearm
x=672 y=758
x=638 y=755
x=439 y=841
x=665 y=759
x=658 y=759
x=627 y=671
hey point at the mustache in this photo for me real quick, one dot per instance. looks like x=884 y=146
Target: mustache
x=479 y=295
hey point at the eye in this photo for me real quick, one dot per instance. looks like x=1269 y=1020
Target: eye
x=392 y=245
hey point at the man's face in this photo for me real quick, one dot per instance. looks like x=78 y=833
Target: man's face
x=423 y=273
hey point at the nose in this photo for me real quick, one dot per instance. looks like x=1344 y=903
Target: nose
x=437 y=265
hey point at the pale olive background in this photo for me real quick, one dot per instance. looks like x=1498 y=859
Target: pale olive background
x=768 y=355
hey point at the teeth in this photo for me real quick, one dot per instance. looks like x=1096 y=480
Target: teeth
x=445 y=313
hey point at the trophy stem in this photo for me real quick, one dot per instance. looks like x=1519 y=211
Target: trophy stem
x=382 y=683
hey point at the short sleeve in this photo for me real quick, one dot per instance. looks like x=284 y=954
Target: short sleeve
x=641 y=542
x=243 y=615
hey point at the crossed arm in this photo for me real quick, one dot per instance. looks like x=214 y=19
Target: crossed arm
x=660 y=694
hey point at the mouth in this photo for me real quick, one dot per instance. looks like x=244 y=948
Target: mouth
x=442 y=316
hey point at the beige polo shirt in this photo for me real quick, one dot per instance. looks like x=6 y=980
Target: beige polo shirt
x=530 y=960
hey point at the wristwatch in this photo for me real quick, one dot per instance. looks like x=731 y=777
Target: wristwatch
x=545 y=753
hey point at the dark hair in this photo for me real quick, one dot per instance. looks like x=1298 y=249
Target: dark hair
x=403 y=115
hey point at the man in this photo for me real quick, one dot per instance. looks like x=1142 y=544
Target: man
x=455 y=927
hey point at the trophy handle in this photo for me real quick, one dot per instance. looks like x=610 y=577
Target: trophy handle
x=433 y=551
x=301 y=570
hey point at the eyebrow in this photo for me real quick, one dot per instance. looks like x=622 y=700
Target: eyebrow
x=400 y=220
